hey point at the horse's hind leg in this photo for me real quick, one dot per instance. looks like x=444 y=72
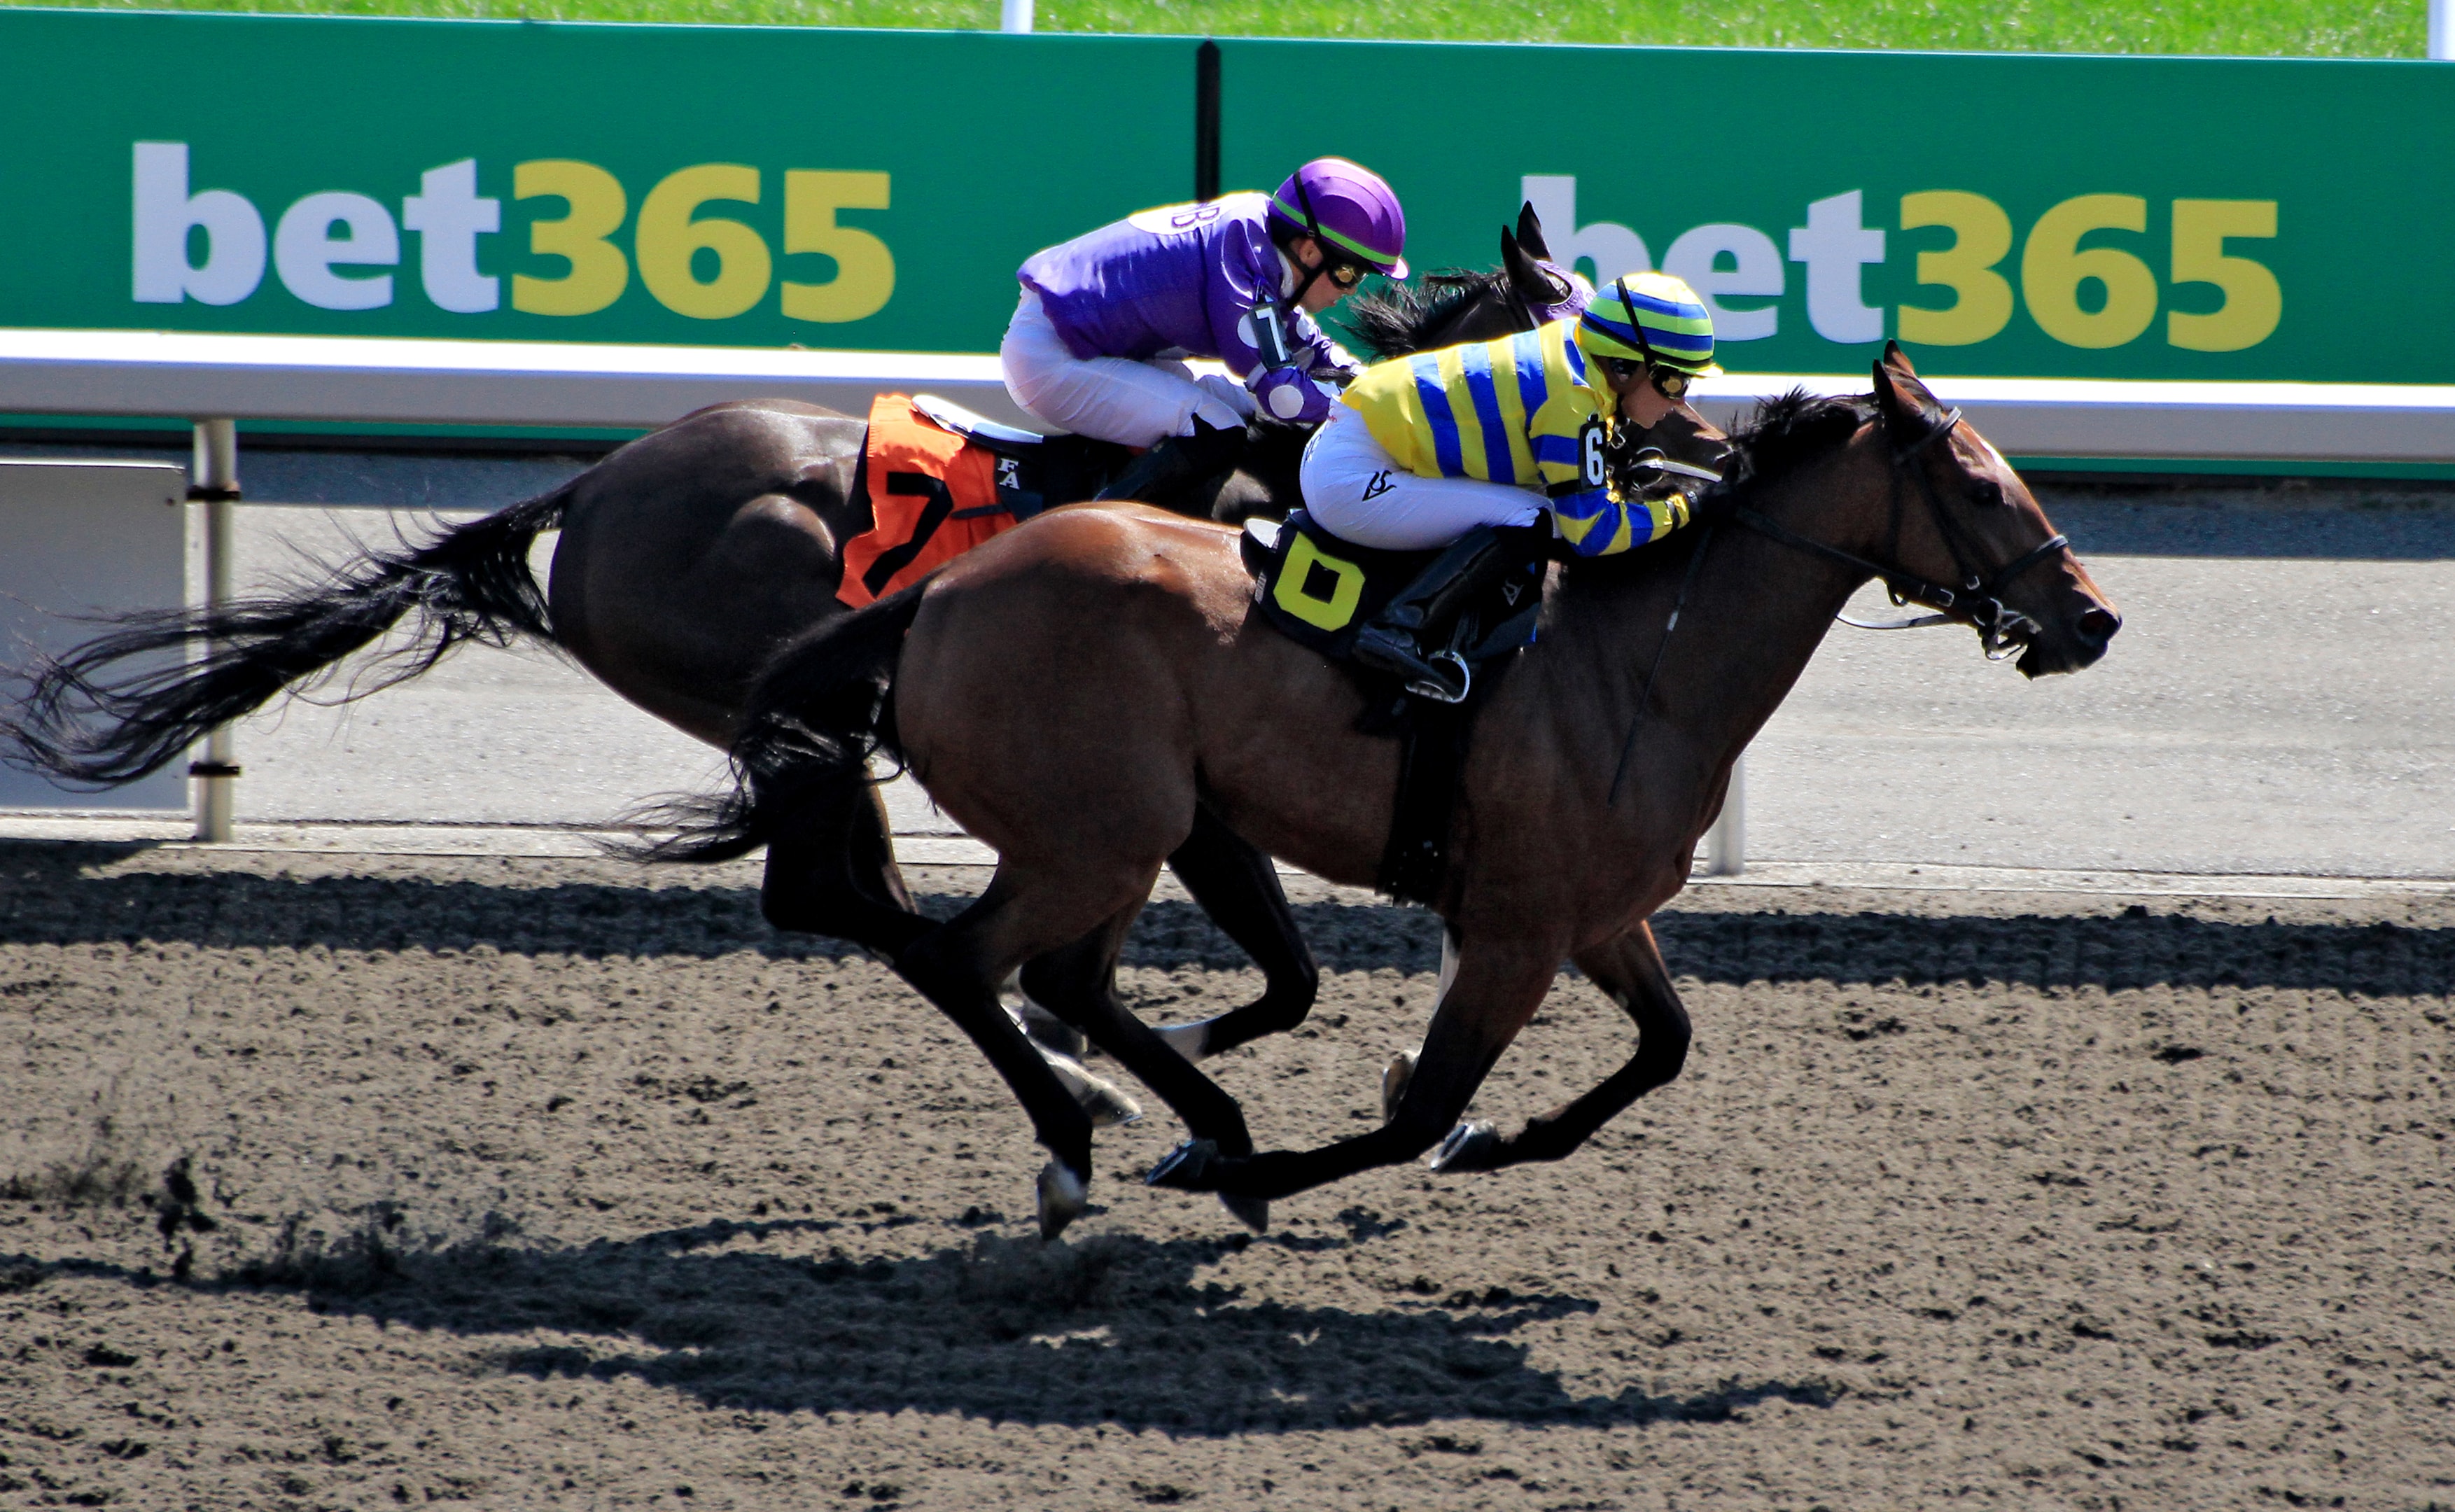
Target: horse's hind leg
x=1235 y=884
x=835 y=874
x=1079 y=984
x=958 y=966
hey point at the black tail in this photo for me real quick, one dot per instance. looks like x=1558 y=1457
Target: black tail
x=821 y=709
x=90 y=719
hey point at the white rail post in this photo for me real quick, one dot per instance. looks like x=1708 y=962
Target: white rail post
x=214 y=483
x=1726 y=843
x=2441 y=29
x=1014 y=15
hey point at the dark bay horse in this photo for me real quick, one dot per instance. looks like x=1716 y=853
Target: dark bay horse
x=1075 y=691
x=686 y=558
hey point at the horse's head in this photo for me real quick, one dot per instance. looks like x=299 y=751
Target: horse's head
x=1961 y=517
x=1448 y=308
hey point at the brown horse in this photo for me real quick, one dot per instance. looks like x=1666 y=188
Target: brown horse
x=686 y=558
x=1077 y=691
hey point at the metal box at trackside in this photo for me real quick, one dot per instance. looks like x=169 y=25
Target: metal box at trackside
x=82 y=540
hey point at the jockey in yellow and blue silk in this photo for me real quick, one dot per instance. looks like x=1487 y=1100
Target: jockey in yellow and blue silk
x=1426 y=451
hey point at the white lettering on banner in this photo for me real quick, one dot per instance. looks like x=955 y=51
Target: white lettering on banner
x=1756 y=268
x=1613 y=250
x=1836 y=244
x=448 y=215
x=305 y=250
x=165 y=212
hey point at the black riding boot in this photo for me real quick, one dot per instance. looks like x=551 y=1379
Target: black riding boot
x=1177 y=463
x=1392 y=640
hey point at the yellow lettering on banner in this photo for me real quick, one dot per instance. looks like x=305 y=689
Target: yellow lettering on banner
x=865 y=277
x=1981 y=234
x=2253 y=302
x=669 y=240
x=598 y=271
x=2053 y=267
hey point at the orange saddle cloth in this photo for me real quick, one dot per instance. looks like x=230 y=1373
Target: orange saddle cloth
x=933 y=494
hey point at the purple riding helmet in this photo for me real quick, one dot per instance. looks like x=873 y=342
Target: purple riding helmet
x=1350 y=214
x=1349 y=209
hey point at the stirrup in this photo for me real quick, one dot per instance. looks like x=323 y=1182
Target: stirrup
x=1439 y=692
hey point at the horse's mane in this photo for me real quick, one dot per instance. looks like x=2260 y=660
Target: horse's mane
x=1784 y=435
x=1392 y=321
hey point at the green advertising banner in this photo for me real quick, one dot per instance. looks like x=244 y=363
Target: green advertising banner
x=2014 y=216
x=2003 y=216
x=726 y=186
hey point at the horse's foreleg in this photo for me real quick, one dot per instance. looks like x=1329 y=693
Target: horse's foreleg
x=1495 y=990
x=1235 y=884
x=1079 y=984
x=1628 y=969
x=958 y=966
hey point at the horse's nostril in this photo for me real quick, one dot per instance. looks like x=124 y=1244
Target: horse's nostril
x=2096 y=625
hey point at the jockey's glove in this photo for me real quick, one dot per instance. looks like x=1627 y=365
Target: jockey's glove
x=1296 y=396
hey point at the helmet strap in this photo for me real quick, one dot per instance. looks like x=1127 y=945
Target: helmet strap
x=1321 y=253
x=1644 y=346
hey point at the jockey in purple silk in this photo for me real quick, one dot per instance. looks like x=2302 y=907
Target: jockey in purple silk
x=1099 y=338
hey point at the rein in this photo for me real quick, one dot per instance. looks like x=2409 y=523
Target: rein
x=1978 y=599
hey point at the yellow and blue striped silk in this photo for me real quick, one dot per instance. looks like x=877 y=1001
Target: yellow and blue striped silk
x=1515 y=411
x=1503 y=411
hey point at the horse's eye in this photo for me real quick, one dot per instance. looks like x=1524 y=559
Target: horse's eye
x=1986 y=492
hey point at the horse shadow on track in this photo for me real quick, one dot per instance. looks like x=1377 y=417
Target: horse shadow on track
x=46 y=897
x=1115 y=1329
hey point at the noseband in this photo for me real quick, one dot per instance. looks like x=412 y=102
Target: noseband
x=1978 y=599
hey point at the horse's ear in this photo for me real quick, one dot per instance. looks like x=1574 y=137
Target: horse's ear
x=1525 y=275
x=1530 y=233
x=1910 y=409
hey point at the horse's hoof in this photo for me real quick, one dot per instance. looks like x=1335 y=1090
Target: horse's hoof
x=1395 y=1078
x=1105 y=1101
x=1063 y=1196
x=1253 y=1212
x=1186 y=1039
x=1047 y=1030
x=1470 y=1147
x=1185 y=1166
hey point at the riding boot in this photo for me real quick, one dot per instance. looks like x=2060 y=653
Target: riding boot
x=1177 y=463
x=1393 y=641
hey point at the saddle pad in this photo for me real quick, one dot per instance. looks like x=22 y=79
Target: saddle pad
x=1318 y=590
x=933 y=496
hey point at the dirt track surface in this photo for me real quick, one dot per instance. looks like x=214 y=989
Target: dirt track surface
x=521 y=1183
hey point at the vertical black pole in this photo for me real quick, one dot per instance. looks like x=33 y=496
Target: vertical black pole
x=1205 y=121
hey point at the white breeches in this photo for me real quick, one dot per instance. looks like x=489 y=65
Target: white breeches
x=1111 y=399
x=1359 y=493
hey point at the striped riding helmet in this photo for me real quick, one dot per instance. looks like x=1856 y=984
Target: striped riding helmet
x=1349 y=206
x=1650 y=317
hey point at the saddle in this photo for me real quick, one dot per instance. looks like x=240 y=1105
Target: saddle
x=1319 y=591
x=940 y=480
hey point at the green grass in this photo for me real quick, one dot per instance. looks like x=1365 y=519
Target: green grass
x=2368 y=29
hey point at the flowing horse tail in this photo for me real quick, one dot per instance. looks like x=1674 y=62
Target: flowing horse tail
x=823 y=707
x=93 y=718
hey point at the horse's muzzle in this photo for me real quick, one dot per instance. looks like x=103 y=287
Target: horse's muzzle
x=2089 y=633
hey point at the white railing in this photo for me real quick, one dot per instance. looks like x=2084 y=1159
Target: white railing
x=400 y=381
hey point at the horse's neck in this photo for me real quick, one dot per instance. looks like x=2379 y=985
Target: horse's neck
x=1754 y=615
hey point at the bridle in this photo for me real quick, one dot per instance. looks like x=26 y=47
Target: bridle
x=1978 y=601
